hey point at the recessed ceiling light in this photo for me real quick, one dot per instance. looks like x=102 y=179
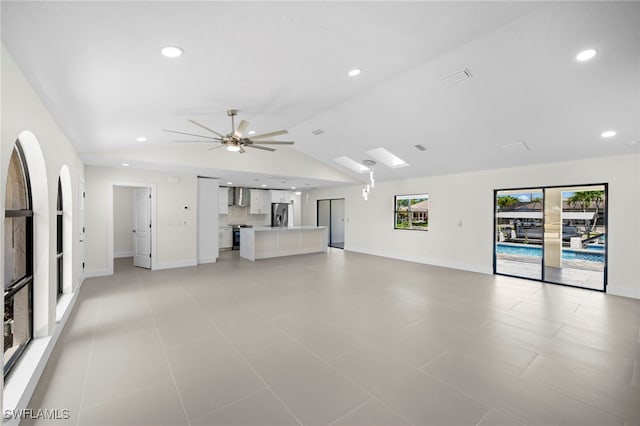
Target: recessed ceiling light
x=141 y=139
x=293 y=187
x=252 y=132
x=387 y=158
x=172 y=51
x=608 y=134
x=125 y=164
x=354 y=72
x=586 y=55
x=263 y=185
x=351 y=164
x=229 y=183
x=298 y=193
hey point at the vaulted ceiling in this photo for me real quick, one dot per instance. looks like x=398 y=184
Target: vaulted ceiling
x=98 y=68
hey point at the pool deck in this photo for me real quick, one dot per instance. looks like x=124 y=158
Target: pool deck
x=566 y=275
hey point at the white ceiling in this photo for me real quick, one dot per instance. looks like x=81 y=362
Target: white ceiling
x=98 y=68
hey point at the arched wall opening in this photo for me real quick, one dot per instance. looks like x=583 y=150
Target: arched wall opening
x=43 y=292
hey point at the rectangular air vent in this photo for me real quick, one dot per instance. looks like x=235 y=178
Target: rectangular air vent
x=456 y=77
x=420 y=147
x=515 y=147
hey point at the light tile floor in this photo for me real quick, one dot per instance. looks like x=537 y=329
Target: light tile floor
x=341 y=339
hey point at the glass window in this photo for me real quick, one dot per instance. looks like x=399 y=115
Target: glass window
x=18 y=261
x=59 y=245
x=412 y=212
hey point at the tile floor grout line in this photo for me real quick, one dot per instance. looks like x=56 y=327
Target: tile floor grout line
x=92 y=344
x=528 y=365
x=460 y=391
x=166 y=358
x=249 y=364
x=229 y=404
x=485 y=416
x=337 y=371
x=351 y=411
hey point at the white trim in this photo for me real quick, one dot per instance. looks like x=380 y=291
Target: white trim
x=433 y=262
x=97 y=273
x=119 y=254
x=176 y=264
x=154 y=220
x=208 y=260
x=19 y=389
x=624 y=291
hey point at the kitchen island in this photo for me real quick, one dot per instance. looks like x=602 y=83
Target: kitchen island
x=264 y=242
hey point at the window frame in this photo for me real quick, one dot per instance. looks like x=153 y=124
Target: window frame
x=395 y=211
x=27 y=279
x=59 y=241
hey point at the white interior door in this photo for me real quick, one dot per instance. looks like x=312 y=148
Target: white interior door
x=142 y=227
x=81 y=222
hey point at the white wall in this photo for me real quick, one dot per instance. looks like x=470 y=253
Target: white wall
x=468 y=197
x=208 y=220
x=175 y=227
x=122 y=221
x=24 y=116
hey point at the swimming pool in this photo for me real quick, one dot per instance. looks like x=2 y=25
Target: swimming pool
x=536 y=251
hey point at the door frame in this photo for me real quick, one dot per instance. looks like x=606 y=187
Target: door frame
x=544 y=188
x=329 y=241
x=154 y=217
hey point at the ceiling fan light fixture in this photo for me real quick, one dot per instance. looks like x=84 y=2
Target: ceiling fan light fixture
x=354 y=72
x=233 y=148
x=172 y=51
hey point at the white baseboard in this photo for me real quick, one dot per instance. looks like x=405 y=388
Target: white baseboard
x=119 y=254
x=176 y=264
x=96 y=273
x=433 y=262
x=624 y=291
x=207 y=260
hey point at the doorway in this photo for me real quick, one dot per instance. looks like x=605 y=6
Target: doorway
x=330 y=213
x=132 y=233
x=553 y=234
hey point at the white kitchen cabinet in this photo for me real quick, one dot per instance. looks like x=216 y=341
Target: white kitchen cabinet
x=280 y=196
x=260 y=202
x=226 y=237
x=223 y=200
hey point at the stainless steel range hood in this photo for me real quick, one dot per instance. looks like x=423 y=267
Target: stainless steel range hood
x=239 y=196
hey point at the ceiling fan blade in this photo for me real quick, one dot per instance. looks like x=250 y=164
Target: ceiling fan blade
x=260 y=147
x=216 y=147
x=205 y=127
x=269 y=135
x=274 y=142
x=191 y=134
x=192 y=141
x=241 y=128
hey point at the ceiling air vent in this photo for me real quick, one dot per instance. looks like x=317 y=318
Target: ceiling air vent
x=516 y=147
x=420 y=147
x=317 y=132
x=456 y=77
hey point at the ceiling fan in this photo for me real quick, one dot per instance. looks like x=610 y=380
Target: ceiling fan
x=235 y=141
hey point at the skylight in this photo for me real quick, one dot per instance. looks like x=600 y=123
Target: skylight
x=387 y=158
x=351 y=164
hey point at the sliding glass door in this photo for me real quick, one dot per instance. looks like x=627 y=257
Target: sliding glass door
x=553 y=234
x=331 y=215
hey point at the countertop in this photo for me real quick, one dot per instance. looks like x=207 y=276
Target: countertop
x=286 y=228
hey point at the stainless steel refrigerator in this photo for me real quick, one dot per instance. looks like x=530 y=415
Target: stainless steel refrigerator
x=279 y=214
